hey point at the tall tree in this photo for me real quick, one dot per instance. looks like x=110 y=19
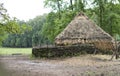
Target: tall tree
x=7 y=25
x=101 y=6
x=80 y=5
x=71 y=4
x=55 y=5
x=113 y=18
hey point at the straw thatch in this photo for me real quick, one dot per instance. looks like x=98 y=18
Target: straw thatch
x=82 y=30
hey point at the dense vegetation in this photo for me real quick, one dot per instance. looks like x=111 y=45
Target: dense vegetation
x=9 y=25
x=106 y=13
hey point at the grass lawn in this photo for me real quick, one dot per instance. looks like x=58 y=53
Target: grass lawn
x=9 y=51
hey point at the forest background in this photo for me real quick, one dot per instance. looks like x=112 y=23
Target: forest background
x=44 y=28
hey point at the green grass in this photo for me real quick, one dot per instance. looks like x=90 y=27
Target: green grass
x=10 y=51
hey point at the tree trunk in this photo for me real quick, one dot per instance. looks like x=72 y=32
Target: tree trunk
x=76 y=7
x=58 y=5
x=80 y=5
x=71 y=5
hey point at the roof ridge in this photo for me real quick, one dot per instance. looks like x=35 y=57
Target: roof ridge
x=81 y=15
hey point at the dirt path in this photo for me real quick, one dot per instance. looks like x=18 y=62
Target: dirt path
x=76 y=66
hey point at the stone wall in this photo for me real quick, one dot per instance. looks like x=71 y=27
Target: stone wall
x=61 y=51
x=64 y=51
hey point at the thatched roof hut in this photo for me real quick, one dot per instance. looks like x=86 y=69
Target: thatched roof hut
x=81 y=30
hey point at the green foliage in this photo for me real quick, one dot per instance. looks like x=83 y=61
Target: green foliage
x=44 y=29
x=104 y=12
x=48 y=28
x=31 y=36
x=8 y=25
x=54 y=25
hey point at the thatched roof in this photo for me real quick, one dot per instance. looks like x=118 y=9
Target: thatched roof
x=82 y=30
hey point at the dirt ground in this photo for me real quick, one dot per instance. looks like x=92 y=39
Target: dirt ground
x=85 y=65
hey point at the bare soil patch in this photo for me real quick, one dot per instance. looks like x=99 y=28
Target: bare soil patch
x=85 y=65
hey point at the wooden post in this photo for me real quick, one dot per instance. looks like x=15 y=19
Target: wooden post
x=95 y=51
x=113 y=54
x=47 y=44
x=115 y=50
